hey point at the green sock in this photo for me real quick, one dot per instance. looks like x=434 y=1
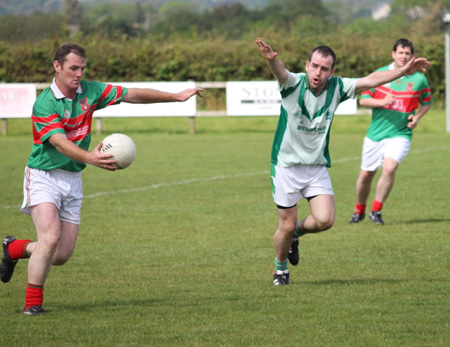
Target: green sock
x=281 y=266
x=298 y=233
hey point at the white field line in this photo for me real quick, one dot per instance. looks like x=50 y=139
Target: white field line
x=171 y=184
x=215 y=178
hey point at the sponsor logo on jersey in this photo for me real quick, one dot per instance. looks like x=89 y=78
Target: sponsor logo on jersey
x=78 y=132
x=312 y=131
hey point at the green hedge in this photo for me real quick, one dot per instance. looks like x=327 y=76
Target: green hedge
x=213 y=59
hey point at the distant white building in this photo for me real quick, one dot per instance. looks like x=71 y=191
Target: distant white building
x=415 y=12
x=381 y=11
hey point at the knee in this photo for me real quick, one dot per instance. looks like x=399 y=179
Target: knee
x=48 y=244
x=60 y=259
x=325 y=224
x=366 y=176
x=287 y=228
x=389 y=171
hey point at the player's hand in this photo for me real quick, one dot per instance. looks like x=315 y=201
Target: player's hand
x=266 y=51
x=389 y=99
x=188 y=93
x=412 y=121
x=103 y=161
x=416 y=64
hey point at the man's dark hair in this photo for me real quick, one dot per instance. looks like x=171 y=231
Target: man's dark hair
x=65 y=49
x=403 y=43
x=325 y=51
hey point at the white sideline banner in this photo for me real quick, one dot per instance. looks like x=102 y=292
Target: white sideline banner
x=173 y=109
x=262 y=98
x=17 y=100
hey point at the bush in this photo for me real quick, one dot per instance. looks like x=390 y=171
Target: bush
x=213 y=57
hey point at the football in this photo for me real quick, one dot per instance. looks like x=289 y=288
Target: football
x=121 y=147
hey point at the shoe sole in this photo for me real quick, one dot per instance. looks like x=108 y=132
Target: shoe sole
x=294 y=258
x=7 y=277
x=9 y=264
x=34 y=313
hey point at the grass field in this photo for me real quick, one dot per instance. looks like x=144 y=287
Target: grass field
x=177 y=249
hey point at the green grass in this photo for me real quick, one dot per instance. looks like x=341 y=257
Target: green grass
x=177 y=249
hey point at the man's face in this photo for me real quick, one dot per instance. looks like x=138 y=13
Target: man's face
x=319 y=71
x=401 y=56
x=68 y=75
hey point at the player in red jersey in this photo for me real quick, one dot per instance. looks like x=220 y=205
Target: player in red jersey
x=53 y=193
x=389 y=136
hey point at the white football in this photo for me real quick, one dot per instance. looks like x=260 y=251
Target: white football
x=121 y=147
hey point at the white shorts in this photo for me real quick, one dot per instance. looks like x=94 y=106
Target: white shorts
x=290 y=184
x=62 y=188
x=374 y=152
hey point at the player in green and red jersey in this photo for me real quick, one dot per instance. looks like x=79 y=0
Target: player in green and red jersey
x=53 y=193
x=389 y=136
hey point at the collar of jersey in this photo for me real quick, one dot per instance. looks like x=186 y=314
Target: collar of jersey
x=58 y=93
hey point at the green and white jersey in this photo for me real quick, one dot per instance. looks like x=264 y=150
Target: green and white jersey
x=303 y=130
x=55 y=114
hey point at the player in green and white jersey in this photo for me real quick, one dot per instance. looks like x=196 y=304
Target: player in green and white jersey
x=300 y=153
x=53 y=193
x=388 y=139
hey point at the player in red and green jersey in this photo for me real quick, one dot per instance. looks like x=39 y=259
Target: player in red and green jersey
x=389 y=136
x=53 y=193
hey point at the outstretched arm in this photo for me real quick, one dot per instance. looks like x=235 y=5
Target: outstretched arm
x=378 y=78
x=276 y=66
x=150 y=96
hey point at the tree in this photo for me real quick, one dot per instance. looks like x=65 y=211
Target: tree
x=72 y=14
x=284 y=13
x=427 y=13
x=295 y=8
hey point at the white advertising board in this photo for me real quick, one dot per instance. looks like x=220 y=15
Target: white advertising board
x=253 y=98
x=17 y=99
x=187 y=108
x=263 y=98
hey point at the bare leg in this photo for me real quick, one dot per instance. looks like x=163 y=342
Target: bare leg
x=322 y=215
x=363 y=186
x=386 y=181
x=287 y=219
x=55 y=242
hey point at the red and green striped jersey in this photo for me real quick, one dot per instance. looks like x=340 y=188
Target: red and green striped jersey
x=55 y=114
x=409 y=92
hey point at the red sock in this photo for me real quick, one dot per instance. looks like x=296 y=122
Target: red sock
x=377 y=206
x=360 y=209
x=17 y=249
x=34 y=295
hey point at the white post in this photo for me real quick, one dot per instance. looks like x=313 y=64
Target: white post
x=447 y=69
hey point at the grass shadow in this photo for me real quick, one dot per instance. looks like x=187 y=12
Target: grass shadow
x=365 y=281
x=429 y=220
x=102 y=305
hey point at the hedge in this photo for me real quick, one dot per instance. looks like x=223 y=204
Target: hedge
x=212 y=59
